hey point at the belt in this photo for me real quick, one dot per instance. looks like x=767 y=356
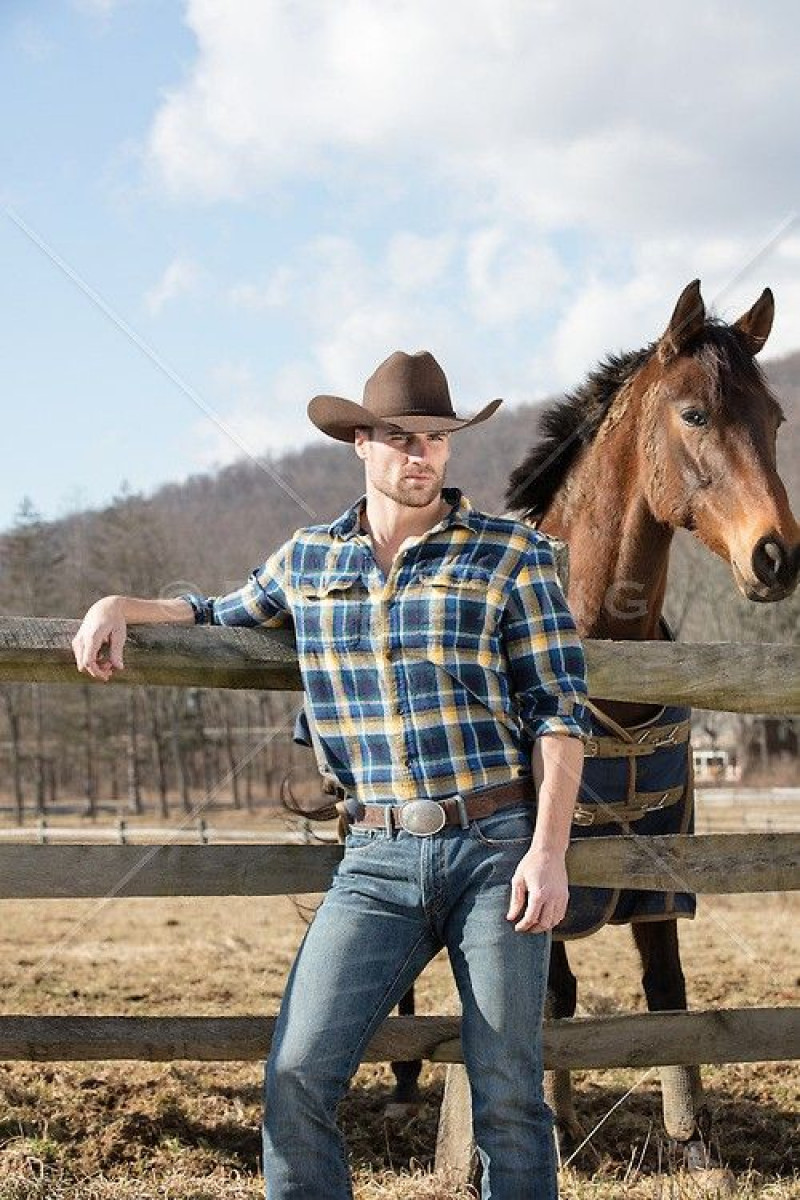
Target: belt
x=424 y=817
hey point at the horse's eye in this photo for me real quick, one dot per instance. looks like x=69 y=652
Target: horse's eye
x=694 y=417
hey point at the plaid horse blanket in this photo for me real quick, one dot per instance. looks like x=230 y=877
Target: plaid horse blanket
x=635 y=780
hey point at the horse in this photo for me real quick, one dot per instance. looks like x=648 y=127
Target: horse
x=678 y=435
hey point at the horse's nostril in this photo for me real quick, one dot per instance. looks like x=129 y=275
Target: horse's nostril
x=774 y=554
x=771 y=562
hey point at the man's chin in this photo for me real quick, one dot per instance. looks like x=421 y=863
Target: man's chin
x=418 y=495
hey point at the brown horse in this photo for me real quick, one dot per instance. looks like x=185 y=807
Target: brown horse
x=680 y=435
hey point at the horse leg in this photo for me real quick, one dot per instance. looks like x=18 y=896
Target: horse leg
x=562 y=996
x=686 y=1118
x=406 y=1074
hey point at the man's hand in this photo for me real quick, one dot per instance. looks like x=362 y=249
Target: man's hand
x=103 y=625
x=539 y=892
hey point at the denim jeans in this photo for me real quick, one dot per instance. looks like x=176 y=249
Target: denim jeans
x=395 y=901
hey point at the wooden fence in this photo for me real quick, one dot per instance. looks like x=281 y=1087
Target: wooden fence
x=742 y=678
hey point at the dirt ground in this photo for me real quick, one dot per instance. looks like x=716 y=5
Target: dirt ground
x=184 y=1131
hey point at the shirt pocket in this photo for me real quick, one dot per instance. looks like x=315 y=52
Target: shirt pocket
x=460 y=602
x=333 y=611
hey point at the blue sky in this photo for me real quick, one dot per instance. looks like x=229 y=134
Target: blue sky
x=272 y=197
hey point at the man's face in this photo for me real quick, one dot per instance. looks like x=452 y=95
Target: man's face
x=409 y=468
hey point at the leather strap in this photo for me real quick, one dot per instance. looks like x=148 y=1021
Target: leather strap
x=476 y=804
x=647 y=743
x=625 y=812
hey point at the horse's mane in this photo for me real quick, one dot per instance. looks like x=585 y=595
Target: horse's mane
x=570 y=424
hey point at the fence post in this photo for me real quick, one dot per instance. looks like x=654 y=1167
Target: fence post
x=455 y=1149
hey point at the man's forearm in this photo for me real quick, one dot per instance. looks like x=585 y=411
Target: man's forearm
x=136 y=611
x=557 y=765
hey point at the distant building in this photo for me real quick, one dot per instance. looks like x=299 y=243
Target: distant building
x=727 y=746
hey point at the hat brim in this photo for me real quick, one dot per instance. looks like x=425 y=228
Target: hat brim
x=339 y=418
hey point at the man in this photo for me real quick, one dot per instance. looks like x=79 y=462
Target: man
x=445 y=679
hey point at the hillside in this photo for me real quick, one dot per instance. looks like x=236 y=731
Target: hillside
x=210 y=530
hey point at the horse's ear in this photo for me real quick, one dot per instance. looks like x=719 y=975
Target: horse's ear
x=685 y=323
x=755 y=325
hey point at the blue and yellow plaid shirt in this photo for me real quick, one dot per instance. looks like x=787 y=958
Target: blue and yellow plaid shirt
x=436 y=678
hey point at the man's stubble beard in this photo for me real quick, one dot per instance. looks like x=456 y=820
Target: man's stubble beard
x=408 y=494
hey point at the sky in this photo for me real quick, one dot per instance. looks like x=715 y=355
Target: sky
x=210 y=212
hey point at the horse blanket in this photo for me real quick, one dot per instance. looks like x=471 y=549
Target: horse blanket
x=636 y=780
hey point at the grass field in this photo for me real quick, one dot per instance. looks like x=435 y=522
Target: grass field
x=190 y=1131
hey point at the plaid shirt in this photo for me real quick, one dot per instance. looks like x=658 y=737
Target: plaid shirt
x=436 y=678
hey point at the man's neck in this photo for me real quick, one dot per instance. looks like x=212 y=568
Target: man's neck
x=390 y=523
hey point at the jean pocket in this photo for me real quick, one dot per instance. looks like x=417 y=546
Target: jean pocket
x=360 y=840
x=512 y=826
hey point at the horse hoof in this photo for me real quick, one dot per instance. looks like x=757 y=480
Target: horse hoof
x=708 y=1176
x=569 y=1139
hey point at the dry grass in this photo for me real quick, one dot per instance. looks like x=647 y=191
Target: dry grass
x=190 y=1131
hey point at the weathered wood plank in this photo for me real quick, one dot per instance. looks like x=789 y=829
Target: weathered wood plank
x=629 y=1040
x=725 y=676
x=81 y=872
x=39 y=650
x=732 y=677
x=715 y=864
x=455 y=1149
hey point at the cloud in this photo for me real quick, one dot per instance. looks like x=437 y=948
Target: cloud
x=633 y=123
x=272 y=294
x=514 y=186
x=511 y=277
x=255 y=417
x=414 y=262
x=180 y=278
x=630 y=310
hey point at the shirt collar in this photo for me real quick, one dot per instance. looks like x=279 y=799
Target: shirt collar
x=349 y=523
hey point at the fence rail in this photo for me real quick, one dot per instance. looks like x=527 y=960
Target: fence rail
x=720 y=864
x=753 y=678
x=629 y=1040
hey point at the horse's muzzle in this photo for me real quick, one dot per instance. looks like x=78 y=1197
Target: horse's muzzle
x=776 y=567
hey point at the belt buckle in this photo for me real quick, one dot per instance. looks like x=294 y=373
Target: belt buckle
x=422 y=817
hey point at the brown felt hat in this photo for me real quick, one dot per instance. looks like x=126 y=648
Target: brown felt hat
x=408 y=392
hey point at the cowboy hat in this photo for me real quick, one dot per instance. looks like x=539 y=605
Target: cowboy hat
x=408 y=392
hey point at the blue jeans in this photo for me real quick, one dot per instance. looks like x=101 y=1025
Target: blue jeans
x=395 y=901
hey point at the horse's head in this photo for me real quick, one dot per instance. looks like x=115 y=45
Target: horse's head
x=708 y=444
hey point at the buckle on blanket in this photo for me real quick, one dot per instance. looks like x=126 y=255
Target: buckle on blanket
x=422 y=817
x=661 y=803
x=669 y=740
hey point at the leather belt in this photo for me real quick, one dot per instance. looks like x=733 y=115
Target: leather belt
x=425 y=817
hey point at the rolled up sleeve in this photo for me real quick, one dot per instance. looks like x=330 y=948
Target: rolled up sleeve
x=546 y=660
x=262 y=600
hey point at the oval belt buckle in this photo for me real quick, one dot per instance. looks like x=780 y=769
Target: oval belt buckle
x=422 y=817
